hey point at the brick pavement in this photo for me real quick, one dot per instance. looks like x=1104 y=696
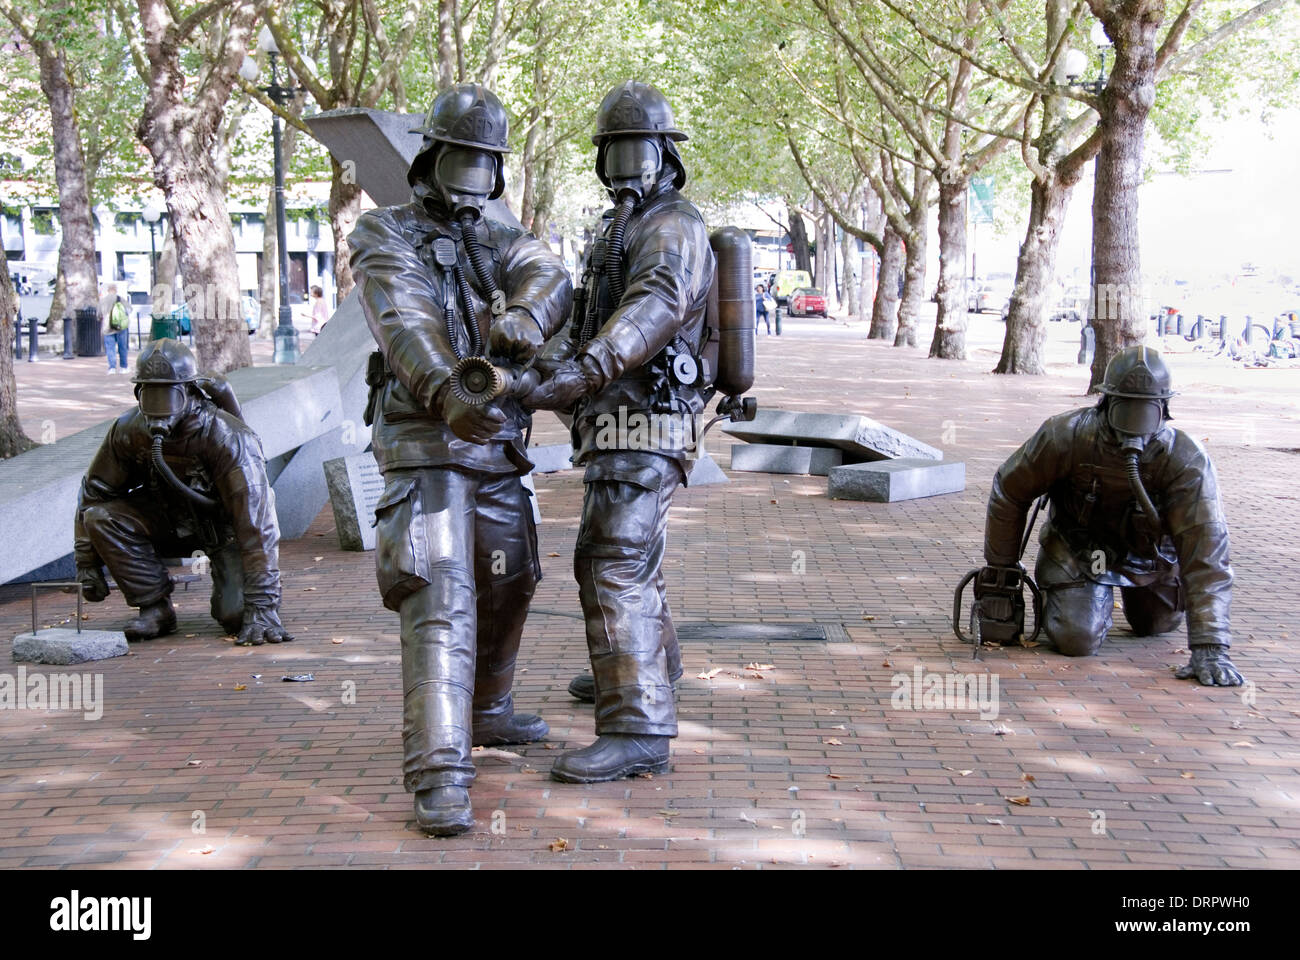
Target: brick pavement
x=802 y=763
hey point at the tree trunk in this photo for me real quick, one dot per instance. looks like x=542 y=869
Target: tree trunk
x=268 y=281
x=909 y=309
x=12 y=439
x=181 y=129
x=849 y=253
x=1022 y=344
x=345 y=207
x=799 y=240
x=949 y=341
x=77 y=248
x=884 y=308
x=163 y=296
x=59 y=304
x=1116 y=307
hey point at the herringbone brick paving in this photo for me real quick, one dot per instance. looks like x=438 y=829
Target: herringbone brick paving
x=801 y=763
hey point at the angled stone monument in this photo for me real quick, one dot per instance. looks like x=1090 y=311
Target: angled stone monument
x=860 y=438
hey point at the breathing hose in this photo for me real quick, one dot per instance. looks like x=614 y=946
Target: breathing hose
x=1139 y=491
x=614 y=255
x=166 y=473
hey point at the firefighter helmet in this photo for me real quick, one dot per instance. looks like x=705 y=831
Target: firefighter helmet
x=635 y=109
x=466 y=115
x=1137 y=373
x=166 y=361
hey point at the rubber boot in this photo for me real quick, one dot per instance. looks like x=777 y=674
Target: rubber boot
x=443 y=811
x=516 y=728
x=155 y=620
x=611 y=757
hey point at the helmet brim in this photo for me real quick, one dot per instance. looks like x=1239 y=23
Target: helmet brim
x=430 y=135
x=670 y=134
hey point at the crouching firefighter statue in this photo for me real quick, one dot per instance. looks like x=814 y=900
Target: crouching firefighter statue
x=1135 y=505
x=636 y=367
x=456 y=550
x=179 y=474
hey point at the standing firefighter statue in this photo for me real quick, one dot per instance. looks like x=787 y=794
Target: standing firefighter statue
x=636 y=367
x=181 y=475
x=456 y=550
x=1135 y=505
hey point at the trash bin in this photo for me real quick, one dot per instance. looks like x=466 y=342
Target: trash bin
x=90 y=333
x=163 y=326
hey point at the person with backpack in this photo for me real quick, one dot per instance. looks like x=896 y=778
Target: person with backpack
x=117 y=330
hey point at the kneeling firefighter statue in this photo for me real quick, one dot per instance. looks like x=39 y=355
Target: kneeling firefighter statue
x=1135 y=505
x=639 y=362
x=456 y=549
x=181 y=473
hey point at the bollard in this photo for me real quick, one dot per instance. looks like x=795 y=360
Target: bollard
x=778 y=321
x=67 y=338
x=1087 y=343
x=33 y=345
x=18 y=337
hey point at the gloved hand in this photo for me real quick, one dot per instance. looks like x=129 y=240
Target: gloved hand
x=567 y=382
x=93 y=585
x=516 y=336
x=472 y=424
x=261 y=625
x=1210 y=665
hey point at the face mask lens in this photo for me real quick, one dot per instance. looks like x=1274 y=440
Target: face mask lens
x=631 y=158
x=1135 y=417
x=162 y=399
x=467 y=171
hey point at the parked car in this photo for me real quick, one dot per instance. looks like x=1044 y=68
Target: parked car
x=1073 y=305
x=807 y=302
x=991 y=294
x=786 y=282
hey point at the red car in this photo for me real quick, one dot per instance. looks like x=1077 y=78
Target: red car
x=807 y=302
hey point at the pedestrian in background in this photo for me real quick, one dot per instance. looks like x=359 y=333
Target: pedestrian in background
x=117 y=325
x=319 y=312
x=760 y=308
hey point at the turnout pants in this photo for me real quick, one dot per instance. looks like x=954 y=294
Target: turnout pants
x=456 y=557
x=618 y=564
x=132 y=537
x=1078 y=615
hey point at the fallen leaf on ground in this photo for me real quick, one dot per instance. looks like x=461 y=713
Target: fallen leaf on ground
x=1243 y=743
x=336 y=640
x=1027 y=777
x=965 y=773
x=833 y=742
x=759 y=666
x=708 y=674
x=309 y=589
x=208 y=848
x=645 y=776
x=867 y=618
x=317 y=559
x=552 y=554
x=1018 y=801
x=755 y=676
x=995 y=822
x=670 y=813
x=1187 y=775
x=559 y=845
x=833 y=776
x=886 y=664
x=241 y=686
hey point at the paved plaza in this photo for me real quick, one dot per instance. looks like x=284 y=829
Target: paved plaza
x=792 y=753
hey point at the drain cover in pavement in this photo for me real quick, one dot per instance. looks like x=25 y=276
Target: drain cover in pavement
x=761 y=632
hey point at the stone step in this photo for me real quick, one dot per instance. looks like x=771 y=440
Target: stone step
x=779 y=458
x=887 y=481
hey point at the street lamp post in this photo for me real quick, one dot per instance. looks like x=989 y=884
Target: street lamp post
x=152 y=214
x=286 y=337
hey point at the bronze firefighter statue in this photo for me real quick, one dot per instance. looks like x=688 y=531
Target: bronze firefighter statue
x=1135 y=505
x=181 y=475
x=456 y=550
x=633 y=355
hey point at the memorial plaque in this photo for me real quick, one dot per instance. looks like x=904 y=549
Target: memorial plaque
x=355 y=486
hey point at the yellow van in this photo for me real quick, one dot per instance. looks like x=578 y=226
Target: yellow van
x=788 y=281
